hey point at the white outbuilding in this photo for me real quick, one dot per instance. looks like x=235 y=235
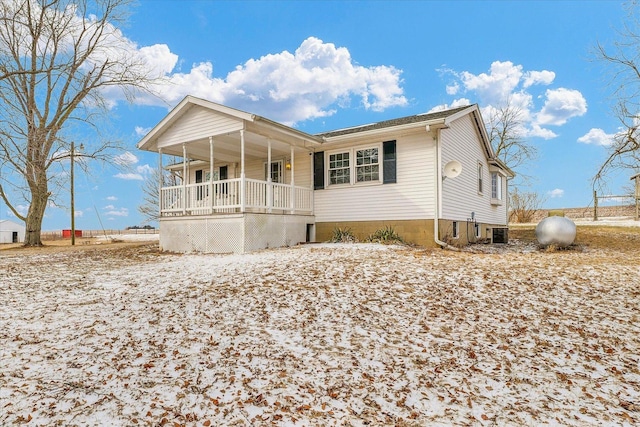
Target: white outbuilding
x=11 y=232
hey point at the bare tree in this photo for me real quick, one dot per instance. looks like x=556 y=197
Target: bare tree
x=623 y=61
x=58 y=59
x=506 y=132
x=524 y=206
x=151 y=191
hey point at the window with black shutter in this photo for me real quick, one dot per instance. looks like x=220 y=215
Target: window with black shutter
x=389 y=162
x=318 y=170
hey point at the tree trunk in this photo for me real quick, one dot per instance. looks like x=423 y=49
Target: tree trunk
x=39 y=199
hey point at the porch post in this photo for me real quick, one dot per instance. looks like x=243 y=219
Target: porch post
x=159 y=183
x=184 y=179
x=242 y=176
x=211 y=198
x=293 y=181
x=269 y=183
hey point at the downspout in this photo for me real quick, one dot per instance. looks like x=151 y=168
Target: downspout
x=438 y=198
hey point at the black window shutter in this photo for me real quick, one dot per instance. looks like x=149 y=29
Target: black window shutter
x=318 y=170
x=389 y=159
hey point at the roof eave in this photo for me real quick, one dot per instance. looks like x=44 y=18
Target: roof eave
x=435 y=123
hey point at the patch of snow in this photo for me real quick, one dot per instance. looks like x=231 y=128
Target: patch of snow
x=353 y=334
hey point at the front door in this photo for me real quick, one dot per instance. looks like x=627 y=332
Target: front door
x=15 y=237
x=275 y=170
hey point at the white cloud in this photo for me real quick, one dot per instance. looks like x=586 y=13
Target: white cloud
x=129 y=176
x=109 y=207
x=140 y=131
x=126 y=159
x=506 y=82
x=556 y=193
x=144 y=169
x=460 y=102
x=313 y=81
x=78 y=214
x=536 y=131
x=597 y=137
x=496 y=86
x=289 y=87
x=116 y=212
x=453 y=89
x=538 y=77
x=561 y=105
x=112 y=198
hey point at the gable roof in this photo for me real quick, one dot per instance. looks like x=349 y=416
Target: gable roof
x=247 y=119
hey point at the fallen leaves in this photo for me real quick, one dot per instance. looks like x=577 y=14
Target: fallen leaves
x=321 y=335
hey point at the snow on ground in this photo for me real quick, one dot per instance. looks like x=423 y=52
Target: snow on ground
x=130 y=237
x=320 y=335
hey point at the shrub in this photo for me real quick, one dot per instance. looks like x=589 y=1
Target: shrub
x=342 y=235
x=385 y=235
x=557 y=212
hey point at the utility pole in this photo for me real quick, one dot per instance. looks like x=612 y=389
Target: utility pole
x=73 y=207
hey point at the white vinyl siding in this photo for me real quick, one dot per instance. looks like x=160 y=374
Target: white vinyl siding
x=198 y=123
x=255 y=169
x=411 y=197
x=460 y=195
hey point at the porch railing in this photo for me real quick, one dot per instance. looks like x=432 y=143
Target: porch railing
x=225 y=197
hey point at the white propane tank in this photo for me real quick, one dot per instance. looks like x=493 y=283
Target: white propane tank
x=556 y=230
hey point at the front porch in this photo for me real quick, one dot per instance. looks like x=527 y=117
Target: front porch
x=236 y=182
x=237 y=195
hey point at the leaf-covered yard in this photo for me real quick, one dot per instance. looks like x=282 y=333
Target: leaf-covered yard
x=320 y=335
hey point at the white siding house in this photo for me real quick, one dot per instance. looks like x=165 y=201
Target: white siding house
x=11 y=232
x=244 y=182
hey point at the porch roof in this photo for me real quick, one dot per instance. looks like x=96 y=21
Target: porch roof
x=193 y=121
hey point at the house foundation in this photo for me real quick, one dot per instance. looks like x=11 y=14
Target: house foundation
x=233 y=233
x=416 y=231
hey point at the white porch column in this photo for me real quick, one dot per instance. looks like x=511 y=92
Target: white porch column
x=269 y=183
x=184 y=179
x=293 y=181
x=160 y=174
x=242 y=175
x=211 y=198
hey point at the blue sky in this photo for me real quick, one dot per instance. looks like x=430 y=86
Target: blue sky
x=323 y=65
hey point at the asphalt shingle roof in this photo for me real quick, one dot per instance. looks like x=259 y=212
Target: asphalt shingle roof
x=394 y=122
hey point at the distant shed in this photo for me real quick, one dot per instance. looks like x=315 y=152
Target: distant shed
x=11 y=232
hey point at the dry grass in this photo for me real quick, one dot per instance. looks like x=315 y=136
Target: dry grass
x=325 y=335
x=622 y=239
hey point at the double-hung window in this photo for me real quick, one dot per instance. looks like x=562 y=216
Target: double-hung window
x=339 y=168
x=367 y=165
x=355 y=165
x=480 y=176
x=496 y=186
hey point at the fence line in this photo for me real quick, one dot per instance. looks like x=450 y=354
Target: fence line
x=57 y=234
